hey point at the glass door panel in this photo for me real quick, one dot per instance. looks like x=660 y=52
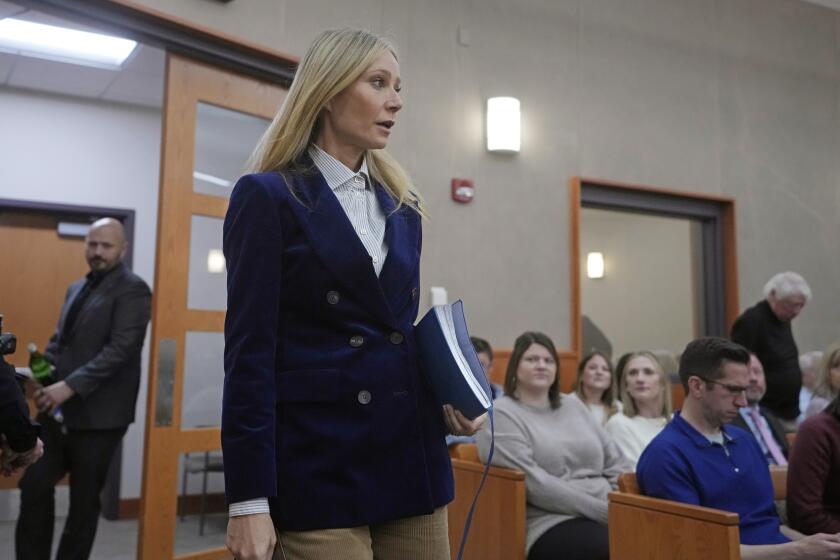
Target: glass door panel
x=212 y=121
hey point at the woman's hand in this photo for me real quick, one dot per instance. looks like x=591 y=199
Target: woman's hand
x=460 y=425
x=251 y=537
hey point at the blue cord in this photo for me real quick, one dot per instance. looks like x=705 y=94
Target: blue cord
x=480 y=486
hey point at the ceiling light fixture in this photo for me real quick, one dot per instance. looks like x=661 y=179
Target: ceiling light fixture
x=28 y=38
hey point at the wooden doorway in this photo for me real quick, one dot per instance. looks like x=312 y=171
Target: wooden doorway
x=43 y=253
x=212 y=120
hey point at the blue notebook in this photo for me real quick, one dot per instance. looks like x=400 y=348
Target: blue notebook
x=449 y=360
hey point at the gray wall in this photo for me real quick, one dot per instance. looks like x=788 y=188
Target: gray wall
x=645 y=301
x=733 y=97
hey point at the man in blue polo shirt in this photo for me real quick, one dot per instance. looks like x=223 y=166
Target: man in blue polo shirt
x=697 y=460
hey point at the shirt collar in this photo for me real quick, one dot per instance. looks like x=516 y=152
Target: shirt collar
x=335 y=172
x=696 y=437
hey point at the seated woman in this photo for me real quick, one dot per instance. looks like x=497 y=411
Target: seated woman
x=646 y=395
x=595 y=387
x=828 y=381
x=569 y=461
x=813 y=483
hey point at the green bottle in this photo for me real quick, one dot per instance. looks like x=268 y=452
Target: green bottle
x=42 y=371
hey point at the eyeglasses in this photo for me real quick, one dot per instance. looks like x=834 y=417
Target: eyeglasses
x=733 y=390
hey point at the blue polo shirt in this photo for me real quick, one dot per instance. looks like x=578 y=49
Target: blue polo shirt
x=681 y=464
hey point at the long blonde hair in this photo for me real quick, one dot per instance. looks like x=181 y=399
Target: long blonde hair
x=823 y=387
x=333 y=62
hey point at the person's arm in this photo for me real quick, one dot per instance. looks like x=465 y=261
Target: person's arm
x=132 y=310
x=543 y=489
x=792 y=534
x=815 y=547
x=21 y=433
x=19 y=443
x=808 y=476
x=252 y=244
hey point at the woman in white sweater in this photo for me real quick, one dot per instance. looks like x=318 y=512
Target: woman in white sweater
x=646 y=394
x=828 y=381
x=569 y=461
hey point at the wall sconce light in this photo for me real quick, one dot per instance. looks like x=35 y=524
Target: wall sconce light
x=595 y=265
x=215 y=261
x=503 y=124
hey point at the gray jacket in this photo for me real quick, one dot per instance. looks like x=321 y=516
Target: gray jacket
x=100 y=357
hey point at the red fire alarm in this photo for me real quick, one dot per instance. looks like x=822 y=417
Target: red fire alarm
x=462 y=190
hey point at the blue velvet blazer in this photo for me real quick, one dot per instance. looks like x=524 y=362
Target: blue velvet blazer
x=325 y=411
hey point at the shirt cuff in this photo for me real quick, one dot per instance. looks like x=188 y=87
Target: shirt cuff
x=249 y=507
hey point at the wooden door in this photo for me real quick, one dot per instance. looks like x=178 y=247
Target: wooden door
x=212 y=121
x=38 y=266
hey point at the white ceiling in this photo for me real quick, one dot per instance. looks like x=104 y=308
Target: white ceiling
x=138 y=82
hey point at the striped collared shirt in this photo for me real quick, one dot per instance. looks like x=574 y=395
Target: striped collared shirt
x=356 y=196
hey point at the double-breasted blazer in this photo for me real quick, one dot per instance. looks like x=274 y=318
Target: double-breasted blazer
x=325 y=411
x=99 y=355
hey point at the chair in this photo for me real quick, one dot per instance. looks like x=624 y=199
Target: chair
x=465 y=451
x=656 y=529
x=498 y=525
x=204 y=463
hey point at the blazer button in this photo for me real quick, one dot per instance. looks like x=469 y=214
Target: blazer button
x=396 y=337
x=414 y=292
x=333 y=297
x=363 y=397
x=357 y=340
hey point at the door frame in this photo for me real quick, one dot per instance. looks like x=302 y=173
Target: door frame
x=720 y=258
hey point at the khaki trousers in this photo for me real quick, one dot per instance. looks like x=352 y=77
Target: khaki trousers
x=425 y=537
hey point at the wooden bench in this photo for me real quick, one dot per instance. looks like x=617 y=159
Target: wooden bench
x=498 y=525
x=648 y=528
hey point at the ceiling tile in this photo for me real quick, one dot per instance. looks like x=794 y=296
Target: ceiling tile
x=58 y=77
x=137 y=88
x=147 y=60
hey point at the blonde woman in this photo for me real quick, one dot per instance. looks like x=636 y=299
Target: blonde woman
x=646 y=395
x=828 y=381
x=596 y=388
x=330 y=436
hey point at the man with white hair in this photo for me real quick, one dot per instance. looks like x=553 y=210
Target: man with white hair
x=765 y=330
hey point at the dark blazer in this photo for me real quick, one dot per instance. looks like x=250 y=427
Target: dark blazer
x=325 y=411
x=775 y=427
x=100 y=357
